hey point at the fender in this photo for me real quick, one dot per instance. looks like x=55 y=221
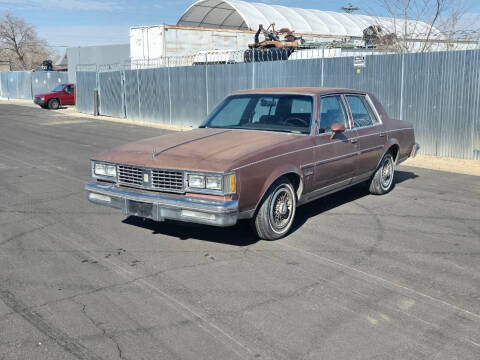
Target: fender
x=280 y=171
x=388 y=145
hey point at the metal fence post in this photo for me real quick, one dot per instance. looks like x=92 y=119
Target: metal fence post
x=323 y=61
x=124 y=102
x=138 y=97
x=402 y=84
x=253 y=69
x=97 y=71
x=169 y=90
x=206 y=79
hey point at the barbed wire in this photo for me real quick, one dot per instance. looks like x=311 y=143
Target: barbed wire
x=307 y=51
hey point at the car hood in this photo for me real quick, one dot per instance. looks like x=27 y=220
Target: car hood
x=42 y=95
x=216 y=150
x=46 y=94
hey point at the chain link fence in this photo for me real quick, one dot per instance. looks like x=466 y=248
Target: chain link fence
x=437 y=91
x=25 y=84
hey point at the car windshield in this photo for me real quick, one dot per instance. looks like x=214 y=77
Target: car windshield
x=59 y=88
x=271 y=112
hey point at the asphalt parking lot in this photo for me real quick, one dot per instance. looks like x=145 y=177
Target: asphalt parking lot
x=360 y=277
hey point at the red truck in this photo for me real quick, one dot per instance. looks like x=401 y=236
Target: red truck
x=63 y=94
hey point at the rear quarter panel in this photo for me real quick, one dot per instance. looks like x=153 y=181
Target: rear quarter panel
x=401 y=133
x=398 y=132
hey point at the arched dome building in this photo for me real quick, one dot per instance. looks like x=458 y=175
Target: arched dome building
x=242 y=15
x=226 y=25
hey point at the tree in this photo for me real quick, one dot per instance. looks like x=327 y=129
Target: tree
x=20 y=44
x=422 y=25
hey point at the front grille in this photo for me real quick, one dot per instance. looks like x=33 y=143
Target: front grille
x=129 y=175
x=151 y=179
x=167 y=180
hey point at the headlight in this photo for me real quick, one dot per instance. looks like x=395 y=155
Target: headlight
x=43 y=99
x=214 y=183
x=107 y=170
x=196 y=181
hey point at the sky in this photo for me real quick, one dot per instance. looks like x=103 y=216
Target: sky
x=99 y=22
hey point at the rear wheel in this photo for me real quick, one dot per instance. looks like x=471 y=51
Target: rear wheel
x=53 y=104
x=277 y=211
x=382 y=181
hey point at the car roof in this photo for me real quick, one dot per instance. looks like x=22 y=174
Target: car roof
x=299 y=90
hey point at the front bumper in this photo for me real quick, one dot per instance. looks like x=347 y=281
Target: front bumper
x=163 y=206
x=39 y=101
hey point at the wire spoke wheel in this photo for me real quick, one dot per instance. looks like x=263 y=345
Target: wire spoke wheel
x=281 y=209
x=276 y=212
x=387 y=173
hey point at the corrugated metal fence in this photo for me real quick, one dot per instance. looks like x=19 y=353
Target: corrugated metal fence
x=25 y=84
x=438 y=91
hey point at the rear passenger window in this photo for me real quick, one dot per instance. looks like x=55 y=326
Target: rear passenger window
x=332 y=112
x=361 y=112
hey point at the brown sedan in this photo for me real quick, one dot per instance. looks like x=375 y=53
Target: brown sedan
x=258 y=155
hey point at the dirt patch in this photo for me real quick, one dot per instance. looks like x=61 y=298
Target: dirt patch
x=459 y=166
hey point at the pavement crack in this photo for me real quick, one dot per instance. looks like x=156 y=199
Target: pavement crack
x=23 y=233
x=98 y=324
x=35 y=318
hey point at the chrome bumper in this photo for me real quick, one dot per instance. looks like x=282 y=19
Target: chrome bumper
x=162 y=206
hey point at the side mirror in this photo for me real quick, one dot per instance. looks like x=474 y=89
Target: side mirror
x=336 y=128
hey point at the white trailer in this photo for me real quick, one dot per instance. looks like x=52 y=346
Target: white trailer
x=153 y=42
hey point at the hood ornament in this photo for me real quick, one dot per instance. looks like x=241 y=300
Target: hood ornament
x=154 y=150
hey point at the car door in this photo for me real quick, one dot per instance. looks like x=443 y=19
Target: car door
x=62 y=95
x=335 y=158
x=370 y=134
x=70 y=95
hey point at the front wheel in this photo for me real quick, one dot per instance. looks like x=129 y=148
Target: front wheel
x=382 y=181
x=275 y=215
x=53 y=104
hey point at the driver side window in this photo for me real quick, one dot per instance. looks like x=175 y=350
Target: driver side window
x=332 y=112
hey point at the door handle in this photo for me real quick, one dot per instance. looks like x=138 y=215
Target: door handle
x=382 y=134
x=353 y=141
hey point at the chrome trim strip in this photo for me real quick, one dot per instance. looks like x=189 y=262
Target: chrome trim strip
x=372 y=106
x=370 y=103
x=371 y=149
x=341 y=157
x=323 y=191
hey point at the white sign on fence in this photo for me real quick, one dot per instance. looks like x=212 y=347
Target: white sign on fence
x=359 y=61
